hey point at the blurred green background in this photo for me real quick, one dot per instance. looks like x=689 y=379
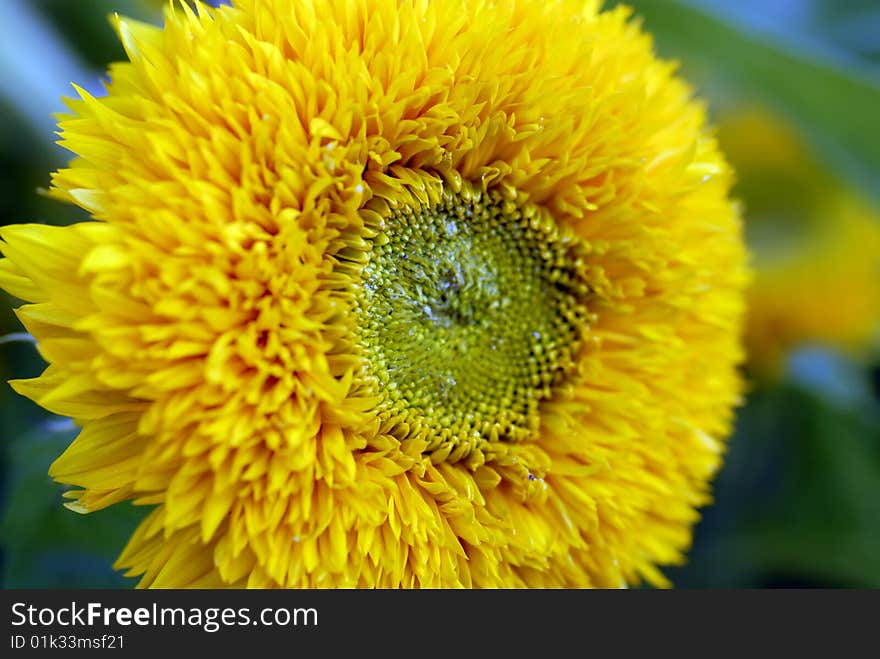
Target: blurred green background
x=798 y=499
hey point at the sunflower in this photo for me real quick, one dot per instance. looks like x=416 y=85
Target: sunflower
x=390 y=294
x=816 y=243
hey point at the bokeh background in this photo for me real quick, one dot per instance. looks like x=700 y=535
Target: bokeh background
x=794 y=89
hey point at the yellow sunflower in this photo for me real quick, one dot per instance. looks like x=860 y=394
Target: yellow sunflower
x=816 y=244
x=390 y=293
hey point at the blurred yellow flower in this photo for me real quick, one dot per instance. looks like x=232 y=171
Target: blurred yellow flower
x=397 y=294
x=816 y=244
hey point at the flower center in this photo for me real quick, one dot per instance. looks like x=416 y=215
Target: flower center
x=469 y=312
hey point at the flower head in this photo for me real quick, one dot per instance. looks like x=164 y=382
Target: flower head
x=816 y=244
x=390 y=293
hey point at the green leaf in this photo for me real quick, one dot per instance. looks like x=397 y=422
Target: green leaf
x=44 y=544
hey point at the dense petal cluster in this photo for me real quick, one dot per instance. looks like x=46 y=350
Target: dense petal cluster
x=267 y=178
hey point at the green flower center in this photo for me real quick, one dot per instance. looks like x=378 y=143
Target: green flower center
x=469 y=312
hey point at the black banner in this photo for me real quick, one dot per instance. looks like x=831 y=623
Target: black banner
x=413 y=622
